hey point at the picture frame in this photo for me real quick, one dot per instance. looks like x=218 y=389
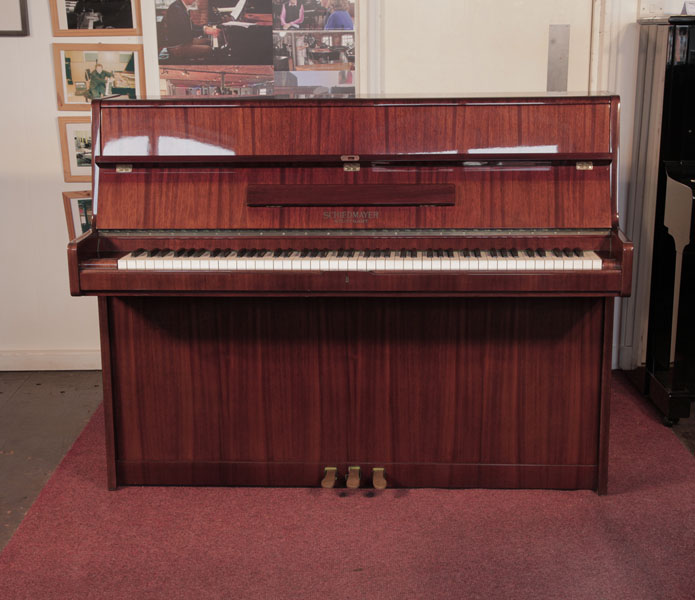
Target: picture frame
x=76 y=148
x=14 y=21
x=121 y=18
x=78 y=212
x=78 y=79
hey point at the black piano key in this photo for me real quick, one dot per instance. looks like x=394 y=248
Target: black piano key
x=404 y=253
x=540 y=252
x=252 y=253
x=477 y=253
x=314 y=253
x=199 y=252
x=277 y=253
x=450 y=252
x=179 y=252
x=567 y=252
x=557 y=252
x=493 y=252
x=341 y=252
x=430 y=253
x=305 y=252
x=529 y=252
x=287 y=253
x=225 y=253
x=215 y=253
x=504 y=253
x=578 y=252
x=324 y=253
x=466 y=252
x=351 y=252
x=189 y=252
x=514 y=252
x=138 y=252
x=152 y=253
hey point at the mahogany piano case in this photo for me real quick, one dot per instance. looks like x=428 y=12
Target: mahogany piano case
x=365 y=292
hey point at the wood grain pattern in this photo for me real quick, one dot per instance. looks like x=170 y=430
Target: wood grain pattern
x=361 y=127
x=378 y=194
x=349 y=381
x=494 y=195
x=171 y=198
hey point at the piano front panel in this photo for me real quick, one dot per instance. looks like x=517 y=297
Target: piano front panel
x=256 y=391
x=398 y=127
x=518 y=197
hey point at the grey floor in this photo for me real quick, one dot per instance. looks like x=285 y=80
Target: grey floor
x=41 y=415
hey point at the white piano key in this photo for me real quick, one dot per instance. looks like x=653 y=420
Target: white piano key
x=124 y=261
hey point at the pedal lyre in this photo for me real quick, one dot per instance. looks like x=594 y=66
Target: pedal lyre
x=329 y=478
x=378 y=479
x=353 y=478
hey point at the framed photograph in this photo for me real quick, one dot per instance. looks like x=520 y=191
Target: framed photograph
x=76 y=148
x=78 y=212
x=88 y=71
x=95 y=17
x=14 y=19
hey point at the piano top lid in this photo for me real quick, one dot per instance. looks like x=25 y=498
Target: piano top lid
x=375 y=99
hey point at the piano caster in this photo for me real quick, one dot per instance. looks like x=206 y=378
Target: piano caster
x=378 y=479
x=329 y=478
x=352 y=480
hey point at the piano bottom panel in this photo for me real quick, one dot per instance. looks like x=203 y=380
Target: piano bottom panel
x=568 y=477
x=444 y=392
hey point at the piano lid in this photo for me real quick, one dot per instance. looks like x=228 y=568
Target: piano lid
x=360 y=163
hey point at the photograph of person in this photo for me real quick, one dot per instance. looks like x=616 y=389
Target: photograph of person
x=214 y=80
x=218 y=32
x=339 y=16
x=313 y=14
x=87 y=72
x=95 y=17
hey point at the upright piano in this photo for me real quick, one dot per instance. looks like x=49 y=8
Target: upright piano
x=356 y=292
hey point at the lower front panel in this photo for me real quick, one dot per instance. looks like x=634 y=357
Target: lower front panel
x=440 y=392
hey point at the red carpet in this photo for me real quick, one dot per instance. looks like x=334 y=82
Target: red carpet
x=80 y=541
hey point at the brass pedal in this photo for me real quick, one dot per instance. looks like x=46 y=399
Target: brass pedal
x=378 y=479
x=353 y=478
x=330 y=477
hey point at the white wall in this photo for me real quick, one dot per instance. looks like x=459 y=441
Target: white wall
x=462 y=46
x=440 y=46
x=41 y=326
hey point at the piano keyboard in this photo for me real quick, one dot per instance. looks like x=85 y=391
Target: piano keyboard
x=503 y=259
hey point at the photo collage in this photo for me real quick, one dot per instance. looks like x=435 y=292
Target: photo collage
x=298 y=48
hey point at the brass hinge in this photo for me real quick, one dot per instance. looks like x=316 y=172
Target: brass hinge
x=124 y=168
x=585 y=166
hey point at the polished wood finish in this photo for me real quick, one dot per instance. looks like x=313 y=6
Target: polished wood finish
x=379 y=194
x=492 y=379
x=360 y=381
x=198 y=198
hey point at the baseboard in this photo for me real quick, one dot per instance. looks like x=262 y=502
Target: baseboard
x=50 y=360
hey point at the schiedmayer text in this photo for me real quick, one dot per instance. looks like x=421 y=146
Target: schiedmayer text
x=351 y=216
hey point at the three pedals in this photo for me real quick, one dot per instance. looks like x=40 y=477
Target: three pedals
x=353 y=478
